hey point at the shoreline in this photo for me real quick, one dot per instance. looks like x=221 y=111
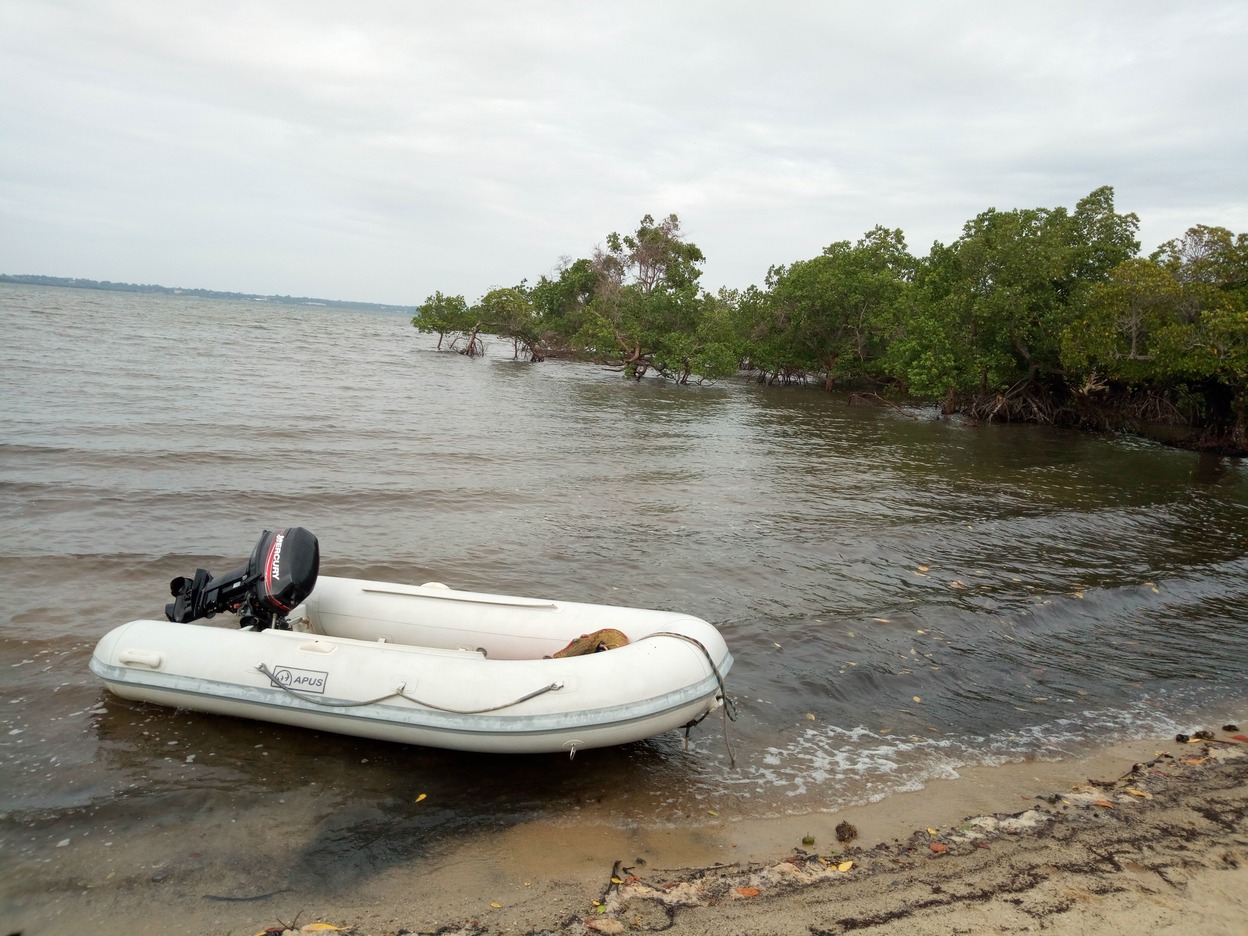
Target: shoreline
x=1139 y=835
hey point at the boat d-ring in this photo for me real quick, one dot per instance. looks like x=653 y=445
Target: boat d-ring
x=572 y=746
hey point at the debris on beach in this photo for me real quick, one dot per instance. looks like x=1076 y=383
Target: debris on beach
x=638 y=898
x=606 y=925
x=308 y=929
x=1097 y=801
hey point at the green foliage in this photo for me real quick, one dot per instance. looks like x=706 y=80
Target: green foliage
x=441 y=315
x=1044 y=301
x=1218 y=342
x=830 y=315
x=561 y=303
x=1098 y=239
x=993 y=306
x=510 y=313
x=708 y=350
x=1210 y=255
x=1122 y=323
x=647 y=307
x=1177 y=319
x=1208 y=334
x=655 y=257
x=768 y=345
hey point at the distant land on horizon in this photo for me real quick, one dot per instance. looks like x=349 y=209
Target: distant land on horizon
x=79 y=283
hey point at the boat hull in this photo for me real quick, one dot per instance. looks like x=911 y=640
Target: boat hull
x=433 y=667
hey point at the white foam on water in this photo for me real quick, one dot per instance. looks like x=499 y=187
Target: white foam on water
x=830 y=768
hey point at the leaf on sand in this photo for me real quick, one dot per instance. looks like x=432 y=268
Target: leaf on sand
x=322 y=928
x=938 y=848
x=496 y=905
x=1140 y=793
x=844 y=866
x=747 y=891
x=605 y=926
x=1104 y=804
x=931 y=831
x=956 y=584
x=421 y=797
x=923 y=568
x=917 y=698
x=810 y=716
x=1239 y=737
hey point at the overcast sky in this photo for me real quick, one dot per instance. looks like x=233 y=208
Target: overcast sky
x=381 y=151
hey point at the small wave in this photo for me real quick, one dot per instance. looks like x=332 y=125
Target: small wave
x=831 y=768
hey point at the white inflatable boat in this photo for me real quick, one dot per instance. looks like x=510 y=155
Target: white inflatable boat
x=423 y=665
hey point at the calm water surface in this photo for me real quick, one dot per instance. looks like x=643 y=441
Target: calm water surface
x=903 y=595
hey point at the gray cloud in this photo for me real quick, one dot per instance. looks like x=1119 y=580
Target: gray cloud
x=384 y=150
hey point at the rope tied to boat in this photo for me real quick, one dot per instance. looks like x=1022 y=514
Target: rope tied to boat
x=401 y=693
x=729 y=707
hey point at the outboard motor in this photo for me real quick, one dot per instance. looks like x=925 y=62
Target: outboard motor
x=281 y=573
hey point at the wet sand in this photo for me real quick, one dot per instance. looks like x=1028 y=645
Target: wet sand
x=1144 y=837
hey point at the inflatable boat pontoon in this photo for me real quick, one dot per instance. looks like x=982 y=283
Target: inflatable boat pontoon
x=416 y=664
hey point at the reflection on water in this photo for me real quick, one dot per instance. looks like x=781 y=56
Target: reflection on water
x=903 y=594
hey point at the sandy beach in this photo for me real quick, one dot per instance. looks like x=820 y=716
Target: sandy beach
x=1143 y=837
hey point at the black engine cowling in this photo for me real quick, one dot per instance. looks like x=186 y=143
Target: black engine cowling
x=281 y=573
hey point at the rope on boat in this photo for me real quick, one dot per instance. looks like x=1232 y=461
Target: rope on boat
x=729 y=707
x=401 y=694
